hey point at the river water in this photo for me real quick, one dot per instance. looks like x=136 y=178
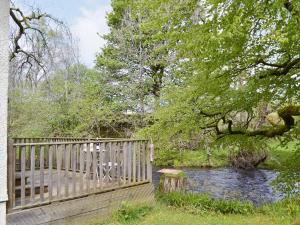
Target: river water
x=228 y=183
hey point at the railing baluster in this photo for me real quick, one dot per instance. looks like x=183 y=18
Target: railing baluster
x=67 y=166
x=129 y=152
x=59 y=162
x=102 y=147
x=42 y=148
x=118 y=151
x=134 y=162
x=94 y=159
x=50 y=176
x=143 y=161
x=23 y=168
x=139 y=161
x=124 y=162
x=113 y=162
x=74 y=152
x=32 y=174
x=81 y=167
x=88 y=166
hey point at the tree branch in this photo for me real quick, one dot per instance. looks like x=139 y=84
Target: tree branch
x=281 y=69
x=286 y=113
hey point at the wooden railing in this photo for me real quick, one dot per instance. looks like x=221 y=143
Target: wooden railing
x=57 y=139
x=44 y=172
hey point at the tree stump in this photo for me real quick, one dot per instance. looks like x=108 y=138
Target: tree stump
x=172 y=181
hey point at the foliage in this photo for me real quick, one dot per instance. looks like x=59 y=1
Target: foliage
x=286 y=159
x=62 y=107
x=129 y=213
x=188 y=158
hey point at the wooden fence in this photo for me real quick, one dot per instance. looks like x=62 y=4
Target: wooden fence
x=57 y=170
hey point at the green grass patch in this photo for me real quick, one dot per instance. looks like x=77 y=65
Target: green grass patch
x=197 y=203
x=163 y=214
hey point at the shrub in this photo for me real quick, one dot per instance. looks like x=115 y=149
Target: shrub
x=166 y=157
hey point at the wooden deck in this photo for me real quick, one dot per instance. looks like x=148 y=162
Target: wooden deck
x=43 y=173
x=89 y=209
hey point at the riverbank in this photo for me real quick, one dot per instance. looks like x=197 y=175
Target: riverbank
x=279 y=158
x=200 y=210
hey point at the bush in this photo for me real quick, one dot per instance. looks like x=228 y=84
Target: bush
x=247 y=159
x=167 y=157
x=197 y=203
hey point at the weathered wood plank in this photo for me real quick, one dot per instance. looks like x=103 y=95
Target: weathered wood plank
x=59 y=162
x=74 y=163
x=14 y=177
x=50 y=165
x=42 y=173
x=113 y=162
x=125 y=162
x=67 y=167
x=143 y=161
x=129 y=162
x=81 y=167
x=10 y=174
x=118 y=154
x=32 y=177
x=148 y=160
x=94 y=159
x=23 y=168
x=88 y=166
x=82 y=210
x=138 y=161
x=101 y=155
x=134 y=161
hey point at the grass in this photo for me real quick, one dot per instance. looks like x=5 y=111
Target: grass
x=161 y=214
x=193 y=209
x=198 y=204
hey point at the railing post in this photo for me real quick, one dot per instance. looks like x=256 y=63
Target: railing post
x=150 y=157
x=11 y=157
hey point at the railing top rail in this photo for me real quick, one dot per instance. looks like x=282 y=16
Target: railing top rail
x=65 y=138
x=79 y=142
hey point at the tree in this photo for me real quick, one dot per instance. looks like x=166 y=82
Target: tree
x=134 y=57
x=245 y=52
x=37 y=43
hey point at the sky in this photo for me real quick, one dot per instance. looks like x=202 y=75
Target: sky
x=86 y=19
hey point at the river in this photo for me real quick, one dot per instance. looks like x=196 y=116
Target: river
x=228 y=183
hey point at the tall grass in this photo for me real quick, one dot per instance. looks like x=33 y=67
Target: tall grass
x=197 y=203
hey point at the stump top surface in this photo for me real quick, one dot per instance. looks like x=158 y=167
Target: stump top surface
x=170 y=171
